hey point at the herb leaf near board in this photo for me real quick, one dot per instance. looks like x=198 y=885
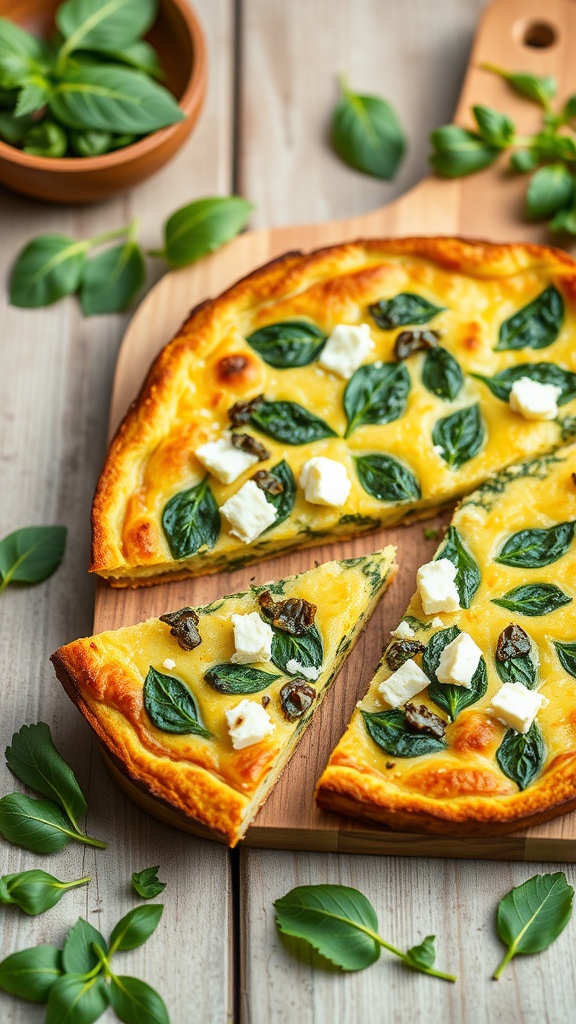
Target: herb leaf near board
x=531 y=549
x=460 y=436
x=191 y=520
x=533 y=599
x=452 y=699
x=307 y=649
x=376 y=394
x=35 y=891
x=521 y=756
x=366 y=133
x=232 y=678
x=289 y=422
x=386 y=478
x=442 y=374
x=403 y=310
x=390 y=731
x=146 y=883
x=536 y=325
x=544 y=373
x=170 y=705
x=468 y=575
x=532 y=915
x=288 y=343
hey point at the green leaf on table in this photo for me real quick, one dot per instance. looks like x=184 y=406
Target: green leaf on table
x=424 y=954
x=35 y=891
x=386 y=478
x=545 y=373
x=136 y=927
x=112 y=279
x=460 y=436
x=468 y=575
x=457 y=152
x=564 y=220
x=75 y=999
x=33 y=758
x=536 y=325
x=521 y=756
x=523 y=161
x=567 y=656
x=335 y=920
x=452 y=699
x=202 y=227
x=46 y=139
x=146 y=883
x=78 y=955
x=376 y=393
x=135 y=1002
x=533 y=599
x=404 y=309
x=367 y=135
x=191 y=521
x=288 y=343
x=106 y=25
x=283 y=502
x=231 y=678
x=442 y=375
x=307 y=649
x=109 y=97
x=289 y=422
x=49 y=267
x=30 y=973
x=550 y=189
x=533 y=914
x=495 y=128
x=37 y=825
x=391 y=732
x=31 y=554
x=540 y=88
x=531 y=549
x=171 y=706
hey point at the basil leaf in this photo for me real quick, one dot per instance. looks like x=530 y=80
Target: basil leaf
x=536 y=325
x=288 y=343
x=90 y=143
x=545 y=373
x=540 y=88
x=37 y=825
x=566 y=656
x=424 y=954
x=14 y=40
x=390 y=731
x=32 y=97
x=290 y=423
x=551 y=189
x=460 y=435
x=30 y=973
x=13 y=129
x=520 y=669
x=523 y=161
x=232 y=678
x=78 y=955
x=49 y=267
x=367 y=135
x=136 y=927
x=135 y=1002
x=191 y=521
x=307 y=649
x=108 y=26
x=403 y=309
x=146 y=883
x=333 y=919
x=31 y=554
x=33 y=759
x=533 y=914
x=201 y=227
x=495 y=128
x=521 y=756
x=112 y=280
x=376 y=394
x=74 y=999
x=387 y=479
x=457 y=152
x=142 y=56
x=283 y=502
x=46 y=139
x=441 y=374
x=452 y=699
x=171 y=706
x=112 y=98
x=533 y=599
x=35 y=891
x=531 y=549
x=564 y=220
x=468 y=575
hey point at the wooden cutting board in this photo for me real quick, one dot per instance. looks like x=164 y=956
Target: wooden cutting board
x=516 y=35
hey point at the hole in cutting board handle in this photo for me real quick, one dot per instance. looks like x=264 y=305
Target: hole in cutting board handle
x=539 y=35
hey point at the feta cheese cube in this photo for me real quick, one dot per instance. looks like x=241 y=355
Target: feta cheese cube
x=403 y=631
x=346 y=349
x=459 y=661
x=404 y=683
x=533 y=400
x=437 y=622
x=325 y=481
x=437 y=588
x=248 y=723
x=516 y=706
x=223 y=460
x=308 y=671
x=252 y=639
x=169 y=663
x=248 y=512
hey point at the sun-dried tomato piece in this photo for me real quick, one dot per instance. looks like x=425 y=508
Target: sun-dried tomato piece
x=241 y=412
x=401 y=650
x=249 y=444
x=294 y=615
x=184 y=627
x=268 y=482
x=421 y=719
x=512 y=642
x=296 y=697
x=408 y=342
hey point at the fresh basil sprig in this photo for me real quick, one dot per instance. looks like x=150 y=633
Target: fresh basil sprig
x=146 y=883
x=35 y=891
x=532 y=915
x=366 y=134
x=31 y=554
x=201 y=227
x=341 y=923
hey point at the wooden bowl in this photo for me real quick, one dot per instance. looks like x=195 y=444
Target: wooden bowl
x=179 y=41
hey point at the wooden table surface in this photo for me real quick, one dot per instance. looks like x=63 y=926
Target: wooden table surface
x=216 y=955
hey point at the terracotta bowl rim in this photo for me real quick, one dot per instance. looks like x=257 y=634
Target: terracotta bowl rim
x=188 y=102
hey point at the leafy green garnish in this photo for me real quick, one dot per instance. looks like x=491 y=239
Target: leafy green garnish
x=531 y=549
x=289 y=422
x=391 y=733
x=533 y=599
x=567 y=656
x=460 y=436
x=112 y=279
x=376 y=393
x=452 y=699
x=288 y=343
x=386 y=478
x=468 y=575
x=191 y=520
x=202 y=227
x=31 y=554
x=35 y=891
x=536 y=325
x=441 y=374
x=171 y=706
x=545 y=373
x=367 y=134
x=283 y=502
x=146 y=883
x=30 y=973
x=231 y=678
x=457 y=152
x=307 y=649
x=404 y=309
x=532 y=915
x=521 y=756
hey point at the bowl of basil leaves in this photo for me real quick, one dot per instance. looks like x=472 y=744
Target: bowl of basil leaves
x=95 y=95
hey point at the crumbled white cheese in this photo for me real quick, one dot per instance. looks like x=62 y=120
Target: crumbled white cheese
x=437 y=587
x=459 y=661
x=248 y=512
x=223 y=460
x=252 y=639
x=308 y=671
x=325 y=481
x=404 y=683
x=516 y=706
x=248 y=723
x=168 y=663
x=346 y=349
x=437 y=622
x=403 y=631
x=438 y=449
x=533 y=400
